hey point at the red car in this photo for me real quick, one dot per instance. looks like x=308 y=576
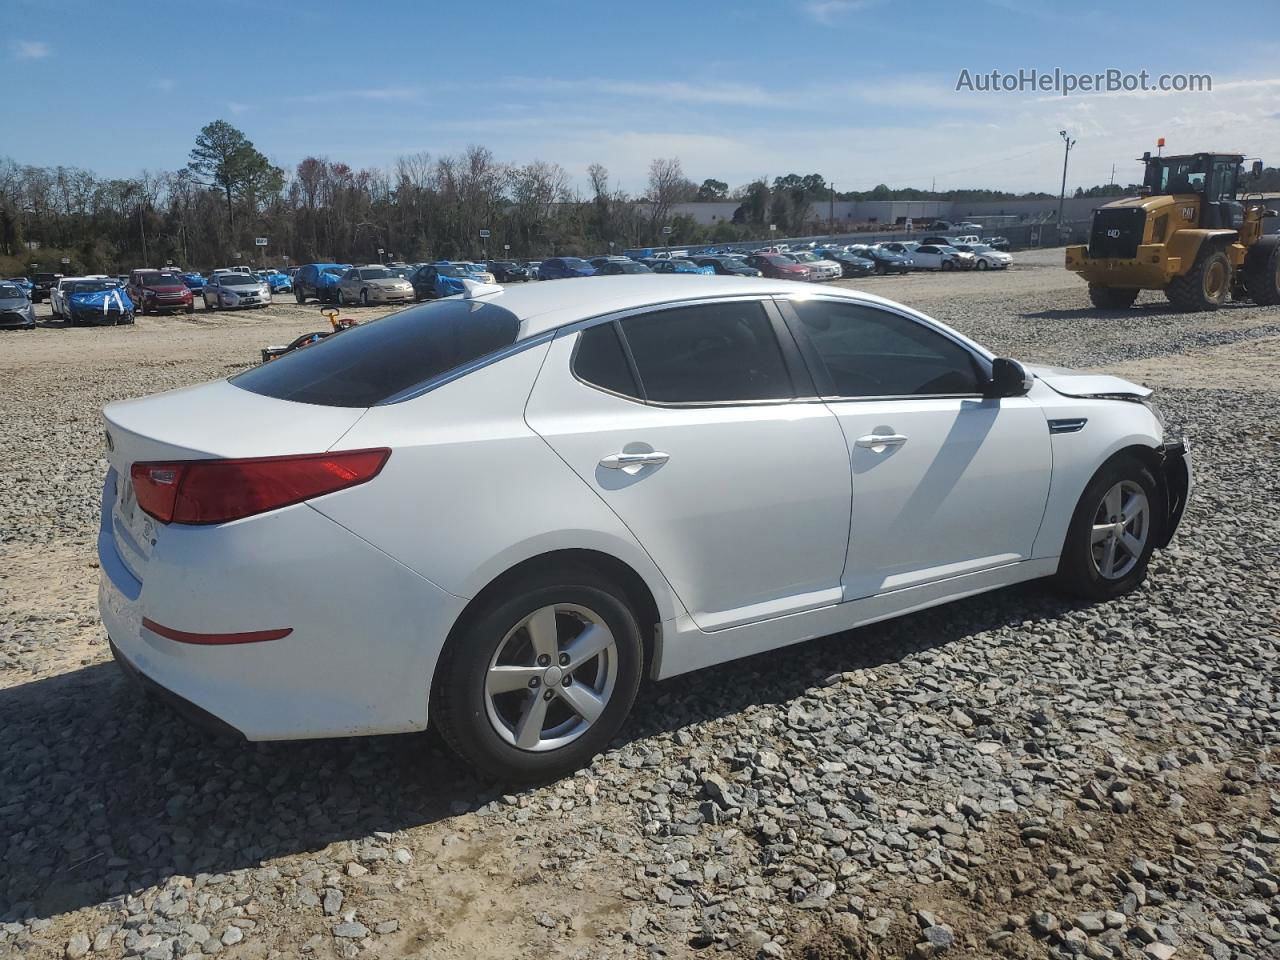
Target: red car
x=153 y=291
x=777 y=267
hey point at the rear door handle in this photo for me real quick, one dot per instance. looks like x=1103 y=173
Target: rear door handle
x=881 y=440
x=633 y=462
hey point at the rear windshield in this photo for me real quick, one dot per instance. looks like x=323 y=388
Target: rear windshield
x=376 y=361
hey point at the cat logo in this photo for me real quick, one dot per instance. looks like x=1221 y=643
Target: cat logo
x=1188 y=213
x=1113 y=233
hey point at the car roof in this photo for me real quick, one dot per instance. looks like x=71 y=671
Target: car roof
x=543 y=307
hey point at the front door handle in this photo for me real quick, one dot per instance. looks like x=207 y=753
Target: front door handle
x=879 y=441
x=633 y=462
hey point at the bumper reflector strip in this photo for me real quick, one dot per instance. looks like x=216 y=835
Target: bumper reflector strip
x=215 y=639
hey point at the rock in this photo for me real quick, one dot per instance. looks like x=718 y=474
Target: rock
x=939 y=936
x=332 y=902
x=232 y=936
x=351 y=930
x=78 y=946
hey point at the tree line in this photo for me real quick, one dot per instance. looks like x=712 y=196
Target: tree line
x=423 y=208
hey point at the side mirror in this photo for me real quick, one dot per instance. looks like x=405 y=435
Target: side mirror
x=1008 y=379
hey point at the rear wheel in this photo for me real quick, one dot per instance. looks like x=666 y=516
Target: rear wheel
x=1112 y=532
x=297 y=295
x=1112 y=298
x=981 y=265
x=1205 y=286
x=948 y=265
x=1262 y=271
x=191 y=307
x=542 y=678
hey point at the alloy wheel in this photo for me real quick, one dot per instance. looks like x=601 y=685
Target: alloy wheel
x=551 y=677
x=1121 y=528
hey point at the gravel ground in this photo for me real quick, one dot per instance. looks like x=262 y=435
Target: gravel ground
x=1012 y=775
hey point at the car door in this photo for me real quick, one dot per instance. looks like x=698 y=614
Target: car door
x=699 y=429
x=946 y=481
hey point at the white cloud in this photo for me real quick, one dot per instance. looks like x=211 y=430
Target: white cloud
x=829 y=11
x=164 y=84
x=236 y=107
x=31 y=50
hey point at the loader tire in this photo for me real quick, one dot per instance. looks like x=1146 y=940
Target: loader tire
x=1205 y=286
x=1112 y=298
x=1262 y=271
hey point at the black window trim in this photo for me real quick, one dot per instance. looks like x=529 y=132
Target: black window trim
x=822 y=378
x=802 y=383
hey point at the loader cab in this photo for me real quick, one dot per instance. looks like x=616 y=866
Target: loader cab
x=1214 y=178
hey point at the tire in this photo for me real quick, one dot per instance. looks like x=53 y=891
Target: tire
x=1262 y=271
x=191 y=308
x=1082 y=569
x=981 y=265
x=1112 y=298
x=1205 y=286
x=364 y=298
x=211 y=307
x=948 y=265
x=297 y=295
x=482 y=728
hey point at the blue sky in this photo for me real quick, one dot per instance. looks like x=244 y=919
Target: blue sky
x=862 y=91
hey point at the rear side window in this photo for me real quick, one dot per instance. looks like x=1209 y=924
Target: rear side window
x=376 y=361
x=599 y=360
x=709 y=353
x=869 y=352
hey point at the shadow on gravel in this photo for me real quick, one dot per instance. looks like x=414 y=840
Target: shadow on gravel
x=1153 y=308
x=103 y=793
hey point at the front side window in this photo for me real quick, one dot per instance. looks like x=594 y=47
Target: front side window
x=376 y=361
x=869 y=352
x=708 y=353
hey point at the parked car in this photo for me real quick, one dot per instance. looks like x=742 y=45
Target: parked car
x=776 y=266
x=819 y=268
x=373 y=284
x=680 y=265
x=986 y=257
x=851 y=264
x=563 y=268
x=42 y=285
x=22 y=282
x=58 y=295
x=98 y=303
x=903 y=248
x=621 y=267
x=885 y=261
x=932 y=256
x=277 y=281
x=318 y=281
x=510 y=271
x=476 y=271
x=157 y=291
x=194 y=281
x=535 y=267
x=727 y=266
x=521 y=626
x=435 y=280
x=234 y=290
x=998 y=243
x=16 y=311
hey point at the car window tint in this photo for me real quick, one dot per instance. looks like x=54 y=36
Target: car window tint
x=719 y=352
x=873 y=353
x=375 y=361
x=600 y=360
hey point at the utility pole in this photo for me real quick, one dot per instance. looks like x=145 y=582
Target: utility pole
x=1062 y=196
x=1113 y=174
x=832 y=209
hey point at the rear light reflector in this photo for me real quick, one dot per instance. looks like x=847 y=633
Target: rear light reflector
x=215 y=639
x=218 y=491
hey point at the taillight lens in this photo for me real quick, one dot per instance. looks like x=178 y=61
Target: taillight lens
x=218 y=491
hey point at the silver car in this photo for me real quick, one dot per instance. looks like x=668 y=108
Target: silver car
x=231 y=290
x=373 y=284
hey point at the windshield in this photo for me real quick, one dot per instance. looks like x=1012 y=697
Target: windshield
x=238 y=280
x=335 y=271
x=9 y=292
x=375 y=361
x=1175 y=175
x=450 y=270
x=576 y=262
x=93 y=286
x=980 y=248
x=161 y=280
x=376 y=273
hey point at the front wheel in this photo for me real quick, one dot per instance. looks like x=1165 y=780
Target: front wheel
x=297 y=295
x=364 y=298
x=542 y=678
x=1205 y=286
x=1112 y=298
x=982 y=265
x=1113 y=532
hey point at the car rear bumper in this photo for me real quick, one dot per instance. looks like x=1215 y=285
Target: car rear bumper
x=366 y=630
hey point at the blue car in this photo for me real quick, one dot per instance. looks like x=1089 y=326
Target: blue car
x=679 y=265
x=278 y=282
x=98 y=303
x=563 y=268
x=194 y=281
x=23 y=283
x=318 y=281
x=434 y=280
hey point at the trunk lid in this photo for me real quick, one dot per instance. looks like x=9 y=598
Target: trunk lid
x=209 y=421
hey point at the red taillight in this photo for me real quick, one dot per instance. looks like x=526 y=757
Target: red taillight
x=217 y=491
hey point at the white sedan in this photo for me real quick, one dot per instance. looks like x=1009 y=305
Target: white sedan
x=500 y=510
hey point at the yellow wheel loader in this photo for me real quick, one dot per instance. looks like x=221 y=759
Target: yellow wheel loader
x=1187 y=234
